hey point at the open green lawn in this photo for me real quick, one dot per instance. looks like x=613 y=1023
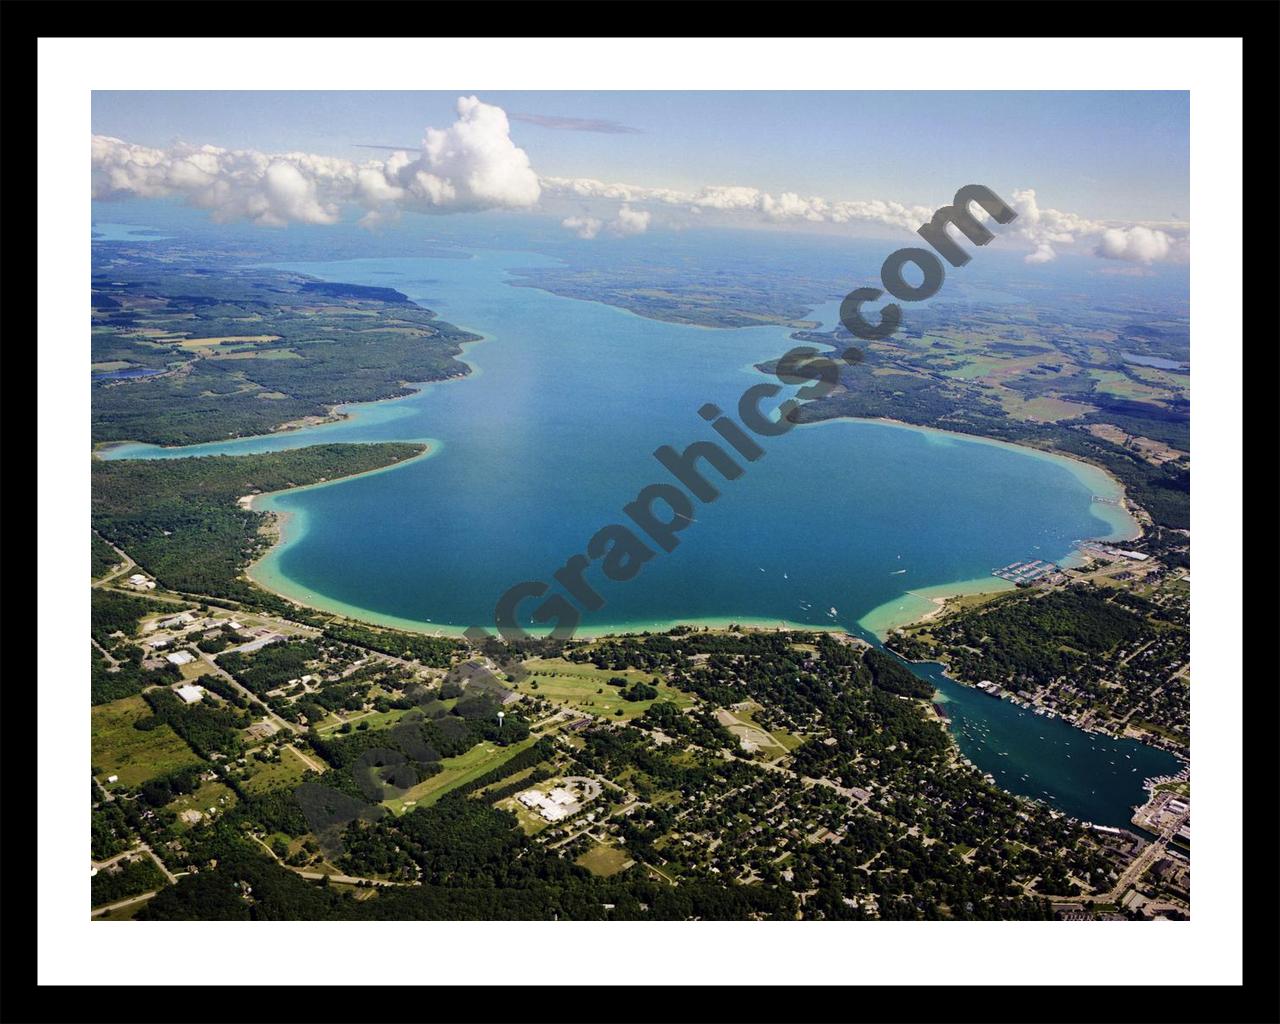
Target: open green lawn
x=210 y=794
x=604 y=860
x=481 y=758
x=265 y=777
x=566 y=682
x=134 y=755
x=374 y=720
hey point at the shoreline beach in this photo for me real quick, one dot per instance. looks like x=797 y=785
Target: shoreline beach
x=910 y=607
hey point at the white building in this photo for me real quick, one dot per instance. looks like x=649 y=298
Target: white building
x=553 y=806
x=190 y=693
x=180 y=658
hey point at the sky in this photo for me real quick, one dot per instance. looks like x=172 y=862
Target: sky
x=1092 y=162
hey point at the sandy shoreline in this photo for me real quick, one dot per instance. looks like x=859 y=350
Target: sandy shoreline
x=925 y=603
x=911 y=607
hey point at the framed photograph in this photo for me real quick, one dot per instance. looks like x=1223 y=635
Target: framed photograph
x=557 y=512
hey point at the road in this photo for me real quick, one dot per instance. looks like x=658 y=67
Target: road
x=105 y=653
x=208 y=659
x=100 y=864
x=1136 y=869
x=140 y=848
x=123 y=903
x=129 y=563
x=173 y=879
x=307 y=761
x=349 y=879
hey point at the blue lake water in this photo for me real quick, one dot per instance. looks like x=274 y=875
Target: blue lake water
x=553 y=433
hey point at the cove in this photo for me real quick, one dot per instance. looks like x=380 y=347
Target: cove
x=553 y=433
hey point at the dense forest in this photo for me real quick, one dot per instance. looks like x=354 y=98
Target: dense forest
x=1040 y=637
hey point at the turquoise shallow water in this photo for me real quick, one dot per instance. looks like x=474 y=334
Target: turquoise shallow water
x=553 y=434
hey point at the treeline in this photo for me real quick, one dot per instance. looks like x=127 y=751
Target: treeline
x=422 y=738
x=434 y=652
x=541 y=751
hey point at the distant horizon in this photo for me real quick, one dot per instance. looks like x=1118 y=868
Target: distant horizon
x=1105 y=174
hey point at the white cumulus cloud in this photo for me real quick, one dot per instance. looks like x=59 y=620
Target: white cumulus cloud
x=583 y=227
x=630 y=222
x=471 y=165
x=1137 y=244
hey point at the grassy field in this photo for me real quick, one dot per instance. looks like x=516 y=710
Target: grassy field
x=250 y=339
x=508 y=781
x=745 y=727
x=481 y=758
x=1043 y=409
x=1115 y=383
x=374 y=719
x=574 y=685
x=210 y=794
x=195 y=669
x=289 y=772
x=604 y=860
x=136 y=756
